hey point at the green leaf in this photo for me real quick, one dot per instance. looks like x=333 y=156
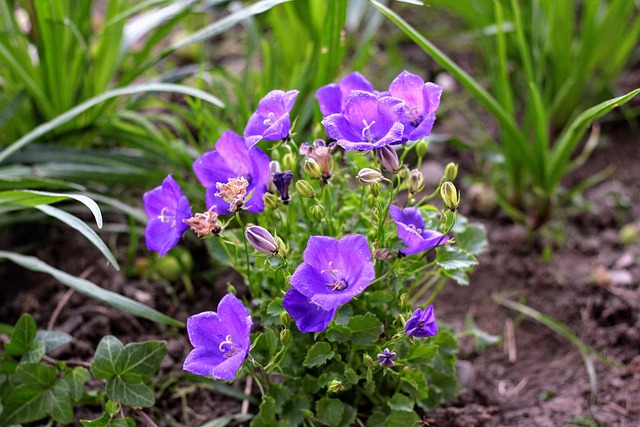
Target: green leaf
x=24 y=333
x=402 y=419
x=338 y=333
x=24 y=404
x=130 y=393
x=141 y=360
x=459 y=276
x=106 y=421
x=473 y=239
x=452 y=258
x=267 y=414
x=88 y=288
x=318 y=355
x=400 y=402
x=53 y=339
x=365 y=330
x=35 y=375
x=35 y=353
x=329 y=411
x=422 y=353
x=481 y=339
x=104 y=366
x=59 y=402
x=76 y=378
x=293 y=411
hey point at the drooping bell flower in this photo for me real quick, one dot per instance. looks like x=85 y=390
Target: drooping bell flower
x=422 y=323
x=411 y=231
x=421 y=102
x=167 y=209
x=367 y=122
x=221 y=340
x=231 y=173
x=271 y=120
x=282 y=181
x=332 y=97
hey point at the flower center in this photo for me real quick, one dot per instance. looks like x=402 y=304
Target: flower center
x=165 y=219
x=337 y=285
x=413 y=227
x=415 y=117
x=366 y=131
x=269 y=120
x=228 y=347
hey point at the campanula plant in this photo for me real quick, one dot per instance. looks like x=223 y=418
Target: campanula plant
x=341 y=253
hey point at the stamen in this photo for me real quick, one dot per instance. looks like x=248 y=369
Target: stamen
x=413 y=227
x=366 y=131
x=232 y=347
x=331 y=270
x=166 y=218
x=338 y=285
x=269 y=120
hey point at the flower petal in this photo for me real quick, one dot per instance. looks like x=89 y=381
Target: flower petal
x=309 y=317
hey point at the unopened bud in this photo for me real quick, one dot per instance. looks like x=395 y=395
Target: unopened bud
x=317 y=212
x=451 y=172
x=404 y=298
x=450 y=196
x=285 y=319
x=367 y=176
x=415 y=182
x=375 y=189
x=382 y=254
x=305 y=189
x=289 y=161
x=261 y=240
x=270 y=201
x=388 y=158
x=368 y=361
x=335 y=386
x=285 y=336
x=282 y=248
x=372 y=201
x=313 y=169
x=422 y=147
x=274 y=167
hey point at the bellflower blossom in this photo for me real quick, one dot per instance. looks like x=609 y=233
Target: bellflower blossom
x=310 y=317
x=332 y=97
x=333 y=272
x=220 y=339
x=367 y=122
x=232 y=160
x=271 y=120
x=421 y=102
x=167 y=208
x=386 y=358
x=411 y=231
x=422 y=323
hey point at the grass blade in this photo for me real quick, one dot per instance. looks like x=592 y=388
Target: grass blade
x=90 y=289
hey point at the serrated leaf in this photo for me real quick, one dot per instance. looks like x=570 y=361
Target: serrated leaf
x=23 y=335
x=400 y=402
x=422 y=354
x=24 y=404
x=453 y=258
x=459 y=276
x=141 y=359
x=293 y=412
x=473 y=239
x=338 y=333
x=130 y=393
x=318 y=355
x=53 y=339
x=348 y=417
x=76 y=378
x=35 y=375
x=402 y=419
x=267 y=414
x=366 y=329
x=59 y=402
x=104 y=364
x=329 y=411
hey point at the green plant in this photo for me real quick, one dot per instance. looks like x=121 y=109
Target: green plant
x=534 y=156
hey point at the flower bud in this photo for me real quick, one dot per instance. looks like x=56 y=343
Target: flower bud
x=388 y=158
x=313 y=169
x=368 y=361
x=422 y=147
x=282 y=248
x=270 y=201
x=289 y=161
x=450 y=172
x=305 y=189
x=261 y=240
x=367 y=176
x=317 y=211
x=415 y=182
x=450 y=196
x=285 y=336
x=375 y=189
x=371 y=201
x=335 y=386
x=285 y=318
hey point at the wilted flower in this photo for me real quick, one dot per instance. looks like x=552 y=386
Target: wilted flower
x=204 y=224
x=221 y=340
x=421 y=102
x=334 y=271
x=233 y=192
x=232 y=160
x=282 y=181
x=320 y=153
x=309 y=316
x=422 y=323
x=367 y=122
x=386 y=358
x=261 y=240
x=331 y=97
x=167 y=208
x=271 y=121
x=412 y=232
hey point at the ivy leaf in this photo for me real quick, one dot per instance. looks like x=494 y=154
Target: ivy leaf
x=473 y=239
x=130 y=393
x=59 y=402
x=76 y=378
x=53 y=339
x=454 y=258
x=400 y=402
x=24 y=404
x=35 y=353
x=35 y=375
x=318 y=355
x=141 y=360
x=106 y=421
x=24 y=333
x=365 y=330
x=104 y=364
x=329 y=411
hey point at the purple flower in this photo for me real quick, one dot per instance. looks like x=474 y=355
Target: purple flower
x=231 y=159
x=412 y=232
x=367 y=122
x=334 y=271
x=421 y=102
x=422 y=323
x=386 y=358
x=309 y=316
x=282 y=181
x=221 y=340
x=271 y=121
x=166 y=208
x=332 y=97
